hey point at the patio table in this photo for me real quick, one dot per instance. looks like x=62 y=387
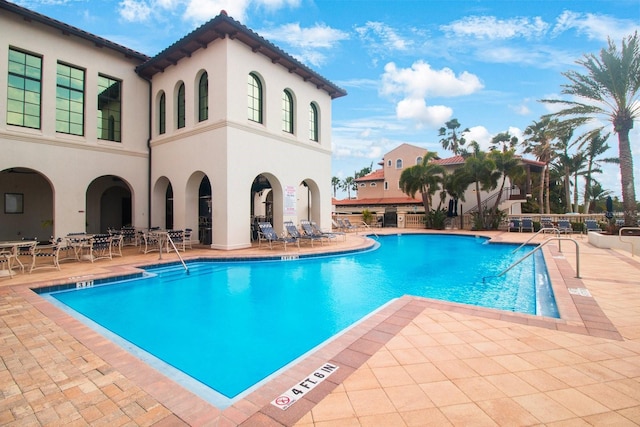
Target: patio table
x=10 y=250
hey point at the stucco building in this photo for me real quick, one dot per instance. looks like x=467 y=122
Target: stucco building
x=218 y=129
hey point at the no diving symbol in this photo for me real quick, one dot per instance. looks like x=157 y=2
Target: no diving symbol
x=282 y=401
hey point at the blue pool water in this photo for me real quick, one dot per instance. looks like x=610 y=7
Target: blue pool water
x=229 y=325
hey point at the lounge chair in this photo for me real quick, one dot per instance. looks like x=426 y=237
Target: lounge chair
x=592 y=225
x=514 y=225
x=269 y=235
x=317 y=230
x=351 y=226
x=309 y=230
x=293 y=232
x=342 y=224
x=526 y=225
x=564 y=226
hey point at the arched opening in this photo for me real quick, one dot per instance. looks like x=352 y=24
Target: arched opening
x=108 y=204
x=205 y=209
x=27 y=205
x=308 y=199
x=168 y=222
x=266 y=203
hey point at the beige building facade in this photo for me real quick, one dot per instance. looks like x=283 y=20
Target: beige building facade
x=219 y=130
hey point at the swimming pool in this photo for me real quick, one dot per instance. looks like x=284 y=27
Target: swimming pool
x=229 y=325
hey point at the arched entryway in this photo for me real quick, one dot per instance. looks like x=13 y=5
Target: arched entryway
x=266 y=202
x=108 y=204
x=27 y=205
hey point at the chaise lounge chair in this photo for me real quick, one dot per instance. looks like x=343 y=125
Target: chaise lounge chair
x=514 y=225
x=295 y=234
x=592 y=225
x=266 y=233
x=564 y=226
x=527 y=225
x=309 y=230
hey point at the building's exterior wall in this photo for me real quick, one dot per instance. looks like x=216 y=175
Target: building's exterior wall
x=227 y=148
x=406 y=153
x=70 y=163
x=232 y=150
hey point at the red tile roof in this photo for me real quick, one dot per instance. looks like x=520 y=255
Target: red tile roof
x=373 y=176
x=455 y=160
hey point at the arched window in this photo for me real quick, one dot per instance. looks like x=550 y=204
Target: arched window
x=313 y=122
x=287 y=111
x=203 y=97
x=399 y=164
x=418 y=160
x=255 y=98
x=181 y=107
x=162 y=114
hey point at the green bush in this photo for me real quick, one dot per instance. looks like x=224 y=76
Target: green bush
x=436 y=219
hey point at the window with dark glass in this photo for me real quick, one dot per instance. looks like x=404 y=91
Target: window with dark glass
x=162 y=114
x=255 y=98
x=24 y=89
x=313 y=122
x=399 y=164
x=203 y=98
x=109 y=109
x=69 y=100
x=181 y=107
x=287 y=112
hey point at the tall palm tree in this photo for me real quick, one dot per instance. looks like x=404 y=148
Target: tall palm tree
x=609 y=87
x=335 y=184
x=481 y=169
x=452 y=138
x=539 y=137
x=563 y=163
x=594 y=144
x=578 y=163
x=348 y=185
x=424 y=178
x=509 y=166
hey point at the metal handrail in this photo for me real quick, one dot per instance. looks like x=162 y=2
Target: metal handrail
x=633 y=246
x=369 y=228
x=540 y=247
x=534 y=236
x=178 y=253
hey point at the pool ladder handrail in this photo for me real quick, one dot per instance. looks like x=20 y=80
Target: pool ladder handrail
x=633 y=246
x=169 y=239
x=366 y=226
x=542 y=230
x=559 y=239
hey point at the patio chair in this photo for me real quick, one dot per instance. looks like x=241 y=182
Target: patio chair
x=269 y=235
x=342 y=224
x=351 y=226
x=564 y=226
x=526 y=225
x=592 y=225
x=99 y=247
x=117 y=241
x=311 y=229
x=128 y=236
x=148 y=242
x=293 y=232
x=177 y=237
x=317 y=229
x=514 y=225
x=50 y=253
x=187 y=238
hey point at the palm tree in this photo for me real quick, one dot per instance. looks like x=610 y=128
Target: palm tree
x=452 y=140
x=598 y=195
x=596 y=145
x=578 y=163
x=423 y=178
x=509 y=166
x=349 y=184
x=538 y=142
x=481 y=169
x=611 y=86
x=564 y=163
x=335 y=184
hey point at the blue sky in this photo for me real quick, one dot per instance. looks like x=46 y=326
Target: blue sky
x=408 y=66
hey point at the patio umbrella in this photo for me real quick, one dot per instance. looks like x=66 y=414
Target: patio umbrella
x=450 y=210
x=609 y=213
x=455 y=207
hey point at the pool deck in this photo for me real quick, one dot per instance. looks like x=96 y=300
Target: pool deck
x=416 y=362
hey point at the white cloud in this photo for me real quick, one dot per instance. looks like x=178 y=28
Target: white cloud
x=594 y=26
x=306 y=43
x=479 y=134
x=134 y=11
x=416 y=84
x=379 y=36
x=492 y=28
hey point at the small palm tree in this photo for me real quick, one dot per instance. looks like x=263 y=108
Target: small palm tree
x=610 y=88
x=540 y=135
x=509 y=166
x=335 y=184
x=452 y=138
x=348 y=185
x=423 y=178
x=481 y=169
x=594 y=144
